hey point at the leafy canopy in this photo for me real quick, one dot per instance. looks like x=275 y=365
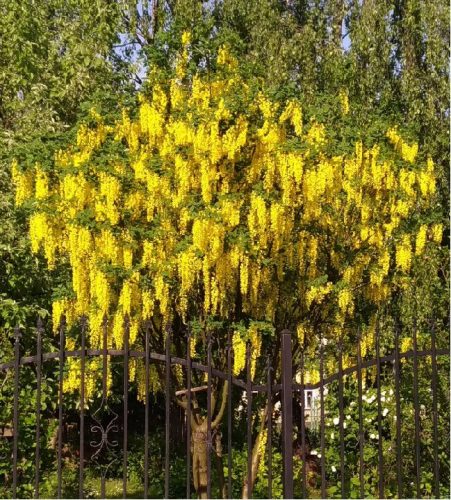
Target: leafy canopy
x=214 y=200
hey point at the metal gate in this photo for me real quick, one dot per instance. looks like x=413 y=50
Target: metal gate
x=290 y=398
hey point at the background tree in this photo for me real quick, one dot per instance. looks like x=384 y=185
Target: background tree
x=54 y=56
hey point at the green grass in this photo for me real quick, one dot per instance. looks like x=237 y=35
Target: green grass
x=92 y=486
x=113 y=488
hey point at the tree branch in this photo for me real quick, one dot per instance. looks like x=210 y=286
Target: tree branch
x=125 y=45
x=220 y=414
x=184 y=404
x=182 y=392
x=213 y=401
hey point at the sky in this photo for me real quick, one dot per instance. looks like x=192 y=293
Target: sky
x=142 y=70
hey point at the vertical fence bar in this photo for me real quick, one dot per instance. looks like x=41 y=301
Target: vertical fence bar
x=322 y=418
x=229 y=414
x=125 y=442
x=398 y=415
x=249 y=419
x=379 y=412
x=38 y=406
x=416 y=411
x=16 y=406
x=188 y=416
x=82 y=407
x=104 y=384
x=209 y=440
x=146 y=414
x=269 y=440
x=341 y=416
x=435 y=414
x=60 y=405
x=303 y=450
x=360 y=403
x=287 y=415
x=167 y=410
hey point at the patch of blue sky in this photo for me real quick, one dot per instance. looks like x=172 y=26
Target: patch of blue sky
x=345 y=38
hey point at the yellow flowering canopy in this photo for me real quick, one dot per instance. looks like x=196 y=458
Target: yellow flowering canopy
x=214 y=200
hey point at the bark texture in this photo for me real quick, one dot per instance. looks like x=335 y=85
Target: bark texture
x=199 y=436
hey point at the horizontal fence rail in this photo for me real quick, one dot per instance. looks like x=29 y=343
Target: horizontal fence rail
x=289 y=422
x=174 y=360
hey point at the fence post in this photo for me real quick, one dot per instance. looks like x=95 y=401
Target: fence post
x=287 y=415
x=17 y=336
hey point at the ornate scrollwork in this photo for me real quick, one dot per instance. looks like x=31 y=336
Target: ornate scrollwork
x=111 y=426
x=105 y=419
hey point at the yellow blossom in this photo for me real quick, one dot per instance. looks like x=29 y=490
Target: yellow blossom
x=420 y=241
x=437 y=232
x=345 y=302
x=317 y=293
x=23 y=182
x=239 y=353
x=344 y=101
x=186 y=37
x=42 y=184
x=316 y=136
x=404 y=254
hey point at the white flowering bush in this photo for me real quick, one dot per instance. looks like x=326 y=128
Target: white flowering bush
x=386 y=433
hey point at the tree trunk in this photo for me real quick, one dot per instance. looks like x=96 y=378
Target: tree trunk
x=219 y=467
x=199 y=445
x=200 y=451
x=257 y=452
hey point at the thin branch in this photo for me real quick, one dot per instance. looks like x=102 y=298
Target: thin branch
x=155 y=7
x=184 y=404
x=125 y=45
x=182 y=392
x=220 y=414
x=213 y=401
x=137 y=79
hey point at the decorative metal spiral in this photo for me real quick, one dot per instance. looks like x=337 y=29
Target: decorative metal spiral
x=104 y=441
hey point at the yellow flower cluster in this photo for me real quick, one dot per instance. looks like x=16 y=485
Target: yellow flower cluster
x=345 y=301
x=437 y=233
x=293 y=113
x=205 y=203
x=344 y=101
x=239 y=353
x=93 y=375
x=256 y=343
x=367 y=344
x=23 y=182
x=317 y=293
x=316 y=136
x=311 y=376
x=108 y=199
x=62 y=308
x=38 y=230
x=301 y=332
x=406 y=344
x=404 y=253
x=426 y=179
x=42 y=184
x=420 y=241
x=407 y=152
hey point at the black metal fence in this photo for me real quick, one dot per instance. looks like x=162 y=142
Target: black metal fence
x=305 y=472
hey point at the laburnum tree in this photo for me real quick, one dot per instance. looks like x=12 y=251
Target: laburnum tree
x=219 y=206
